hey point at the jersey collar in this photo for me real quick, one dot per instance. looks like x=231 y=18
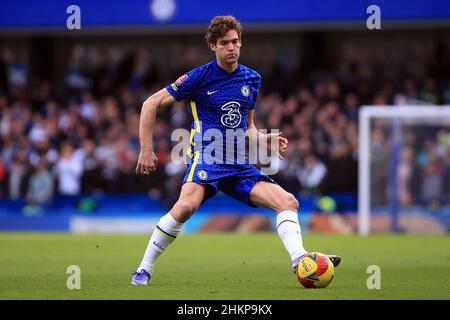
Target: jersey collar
x=225 y=71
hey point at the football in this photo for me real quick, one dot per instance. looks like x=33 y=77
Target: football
x=315 y=270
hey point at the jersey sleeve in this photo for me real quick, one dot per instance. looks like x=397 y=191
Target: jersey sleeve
x=255 y=95
x=186 y=86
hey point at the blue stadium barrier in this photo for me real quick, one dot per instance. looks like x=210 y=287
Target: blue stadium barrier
x=117 y=13
x=65 y=212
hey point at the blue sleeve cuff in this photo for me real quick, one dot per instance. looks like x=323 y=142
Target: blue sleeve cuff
x=173 y=93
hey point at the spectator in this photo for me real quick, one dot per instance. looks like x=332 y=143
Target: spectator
x=18 y=177
x=404 y=176
x=40 y=188
x=432 y=180
x=311 y=173
x=69 y=170
x=3 y=176
x=91 y=180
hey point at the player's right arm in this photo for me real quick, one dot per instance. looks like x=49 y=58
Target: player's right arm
x=147 y=159
x=184 y=87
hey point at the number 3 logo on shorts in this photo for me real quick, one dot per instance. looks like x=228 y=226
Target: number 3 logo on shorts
x=233 y=117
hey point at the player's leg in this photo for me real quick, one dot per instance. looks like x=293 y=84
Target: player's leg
x=270 y=195
x=168 y=228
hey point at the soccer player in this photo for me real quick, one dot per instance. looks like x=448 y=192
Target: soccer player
x=222 y=96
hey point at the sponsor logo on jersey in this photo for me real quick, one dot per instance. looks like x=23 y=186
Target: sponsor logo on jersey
x=233 y=117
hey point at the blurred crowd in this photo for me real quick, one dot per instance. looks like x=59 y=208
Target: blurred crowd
x=423 y=164
x=81 y=136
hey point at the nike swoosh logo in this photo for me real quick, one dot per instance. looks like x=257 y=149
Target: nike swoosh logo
x=211 y=92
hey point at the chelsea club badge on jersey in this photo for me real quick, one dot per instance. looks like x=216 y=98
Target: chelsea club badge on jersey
x=202 y=175
x=245 y=91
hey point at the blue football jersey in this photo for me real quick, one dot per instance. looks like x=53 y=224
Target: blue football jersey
x=219 y=101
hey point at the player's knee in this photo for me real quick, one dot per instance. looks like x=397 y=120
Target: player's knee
x=186 y=208
x=291 y=203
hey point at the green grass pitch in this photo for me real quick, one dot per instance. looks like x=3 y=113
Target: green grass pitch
x=220 y=266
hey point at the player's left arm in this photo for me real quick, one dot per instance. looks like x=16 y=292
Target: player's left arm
x=275 y=138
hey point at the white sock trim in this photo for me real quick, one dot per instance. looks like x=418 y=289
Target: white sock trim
x=287 y=215
x=168 y=224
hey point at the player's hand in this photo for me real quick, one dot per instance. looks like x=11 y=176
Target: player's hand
x=147 y=162
x=277 y=143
